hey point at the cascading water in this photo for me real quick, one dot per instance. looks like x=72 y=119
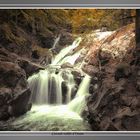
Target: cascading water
x=47 y=86
x=56 y=105
x=66 y=51
x=79 y=102
x=56 y=41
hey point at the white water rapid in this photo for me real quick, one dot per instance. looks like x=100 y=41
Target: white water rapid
x=52 y=86
x=64 y=53
x=57 y=100
x=56 y=41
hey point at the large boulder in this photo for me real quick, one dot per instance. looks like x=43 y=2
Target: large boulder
x=20 y=104
x=29 y=67
x=14 y=92
x=115 y=105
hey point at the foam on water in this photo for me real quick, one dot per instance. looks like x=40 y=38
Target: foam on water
x=51 y=111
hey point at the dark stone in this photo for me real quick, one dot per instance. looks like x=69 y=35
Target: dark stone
x=14 y=96
x=4 y=115
x=66 y=39
x=53 y=93
x=10 y=74
x=5 y=95
x=78 y=80
x=74 y=91
x=91 y=89
x=76 y=73
x=90 y=69
x=46 y=41
x=64 y=92
x=29 y=67
x=131 y=123
x=20 y=104
x=138 y=85
x=35 y=54
x=67 y=65
x=122 y=71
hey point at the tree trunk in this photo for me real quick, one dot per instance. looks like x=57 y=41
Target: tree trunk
x=126 y=17
x=137 y=26
x=137 y=33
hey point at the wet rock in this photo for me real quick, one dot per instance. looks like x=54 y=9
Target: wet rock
x=122 y=71
x=35 y=54
x=67 y=65
x=20 y=104
x=13 y=93
x=10 y=74
x=91 y=89
x=53 y=93
x=74 y=91
x=66 y=39
x=90 y=69
x=131 y=123
x=95 y=86
x=5 y=95
x=76 y=73
x=4 y=114
x=29 y=67
x=78 y=80
x=64 y=91
x=80 y=59
x=94 y=80
x=46 y=41
x=138 y=85
x=104 y=57
x=116 y=103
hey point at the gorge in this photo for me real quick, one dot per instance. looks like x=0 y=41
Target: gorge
x=54 y=98
x=65 y=71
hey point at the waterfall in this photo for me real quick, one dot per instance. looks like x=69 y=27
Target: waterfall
x=57 y=105
x=56 y=41
x=70 y=59
x=46 y=86
x=78 y=103
x=64 y=52
x=58 y=99
x=60 y=117
x=56 y=86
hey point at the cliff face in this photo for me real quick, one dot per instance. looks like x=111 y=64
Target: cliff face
x=115 y=102
x=21 y=52
x=20 y=57
x=14 y=90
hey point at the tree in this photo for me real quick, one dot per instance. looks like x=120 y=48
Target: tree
x=137 y=26
x=137 y=32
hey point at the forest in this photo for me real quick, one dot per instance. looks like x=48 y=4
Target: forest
x=69 y=70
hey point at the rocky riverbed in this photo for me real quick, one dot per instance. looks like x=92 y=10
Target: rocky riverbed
x=112 y=63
